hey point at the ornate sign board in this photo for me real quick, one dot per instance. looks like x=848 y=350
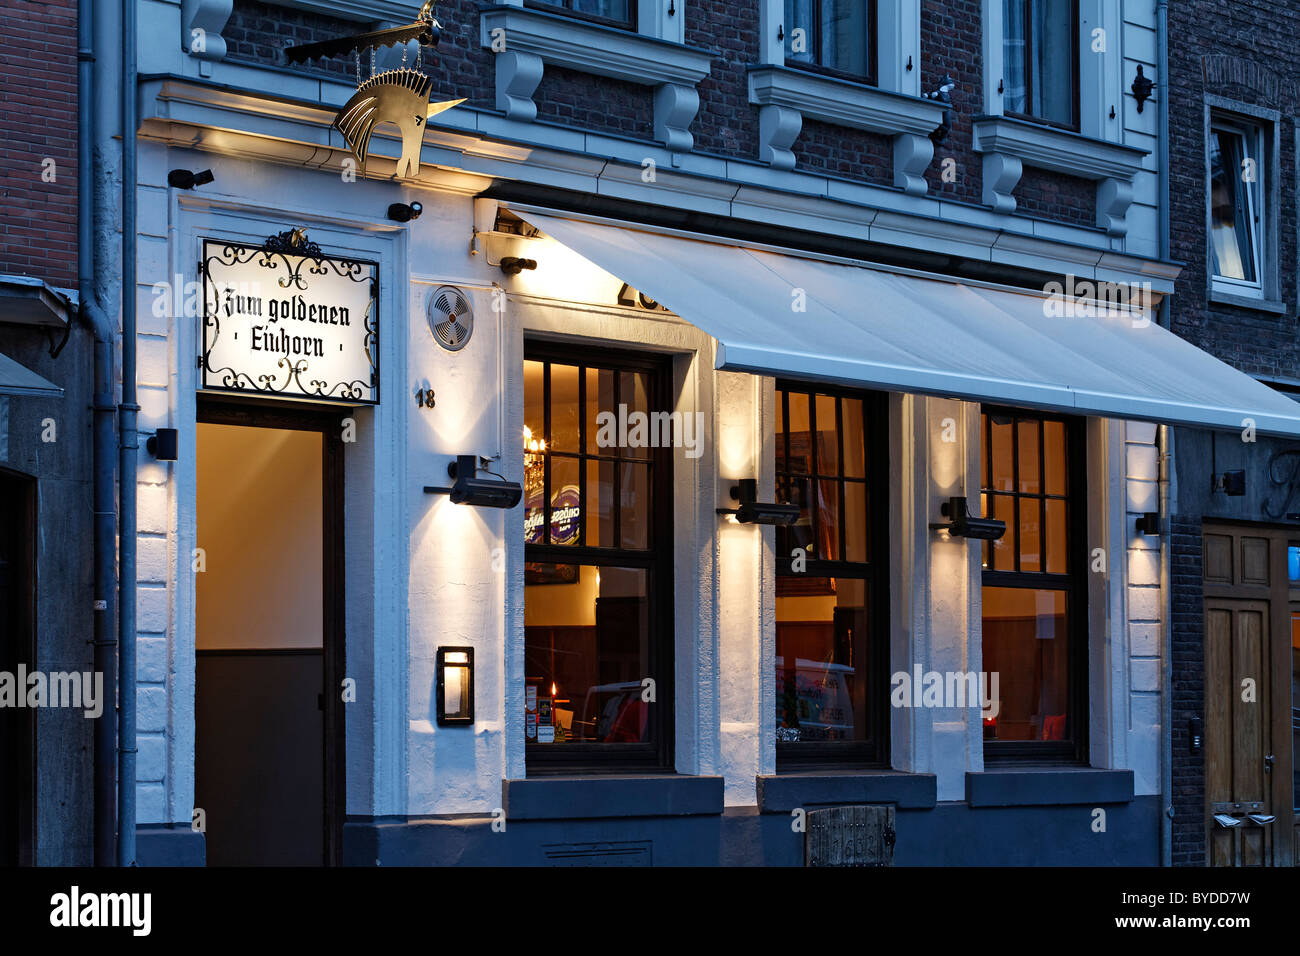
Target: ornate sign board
x=282 y=320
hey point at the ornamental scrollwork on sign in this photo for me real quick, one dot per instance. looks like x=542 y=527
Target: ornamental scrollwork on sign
x=1284 y=475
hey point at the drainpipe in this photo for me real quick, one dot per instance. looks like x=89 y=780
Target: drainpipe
x=1166 y=439
x=127 y=414
x=94 y=318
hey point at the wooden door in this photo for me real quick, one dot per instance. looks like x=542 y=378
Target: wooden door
x=1249 y=814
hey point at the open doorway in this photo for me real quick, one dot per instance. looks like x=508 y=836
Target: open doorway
x=17 y=648
x=269 y=636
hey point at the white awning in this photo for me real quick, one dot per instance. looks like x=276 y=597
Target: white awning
x=17 y=379
x=913 y=332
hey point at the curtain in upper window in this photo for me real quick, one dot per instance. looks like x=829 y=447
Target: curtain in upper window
x=1040 y=65
x=834 y=34
x=1233 y=175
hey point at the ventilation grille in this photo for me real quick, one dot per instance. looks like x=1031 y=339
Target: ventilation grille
x=451 y=317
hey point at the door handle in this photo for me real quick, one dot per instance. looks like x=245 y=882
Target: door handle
x=1268 y=763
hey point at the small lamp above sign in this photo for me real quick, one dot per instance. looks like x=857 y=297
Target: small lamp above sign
x=752 y=511
x=470 y=489
x=962 y=524
x=1148 y=523
x=513 y=265
x=1231 y=483
x=454 y=696
x=187 y=179
x=163 y=444
x=404 y=212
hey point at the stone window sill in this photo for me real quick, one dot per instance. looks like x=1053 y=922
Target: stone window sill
x=534 y=38
x=1239 y=301
x=1048 y=786
x=1010 y=144
x=595 y=797
x=781 y=793
x=785 y=96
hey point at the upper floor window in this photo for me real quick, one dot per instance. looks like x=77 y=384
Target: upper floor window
x=831 y=621
x=620 y=13
x=1040 y=52
x=1034 y=638
x=838 y=36
x=598 y=607
x=1235 y=206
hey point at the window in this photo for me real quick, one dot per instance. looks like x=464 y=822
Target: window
x=621 y=13
x=837 y=35
x=1040 y=52
x=1033 y=598
x=831 y=609
x=597 y=573
x=1236 y=223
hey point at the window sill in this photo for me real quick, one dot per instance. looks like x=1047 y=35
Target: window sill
x=535 y=38
x=1048 y=786
x=783 y=792
x=596 y=797
x=787 y=95
x=1239 y=301
x=1010 y=144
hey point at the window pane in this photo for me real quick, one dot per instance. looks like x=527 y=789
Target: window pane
x=828 y=521
x=856 y=526
x=586 y=651
x=1026 y=645
x=610 y=9
x=1052 y=48
x=781 y=464
x=1030 y=521
x=534 y=414
x=822 y=654
x=1027 y=439
x=844 y=35
x=855 y=447
x=1015 y=95
x=1003 y=474
x=1054 y=456
x=599 y=504
x=564 y=408
x=800 y=28
x=1004 y=509
x=800 y=461
x=828 y=445
x=600 y=398
x=794 y=491
x=634 y=401
x=634 y=505
x=566 y=506
x=1057 y=538
x=1232 y=239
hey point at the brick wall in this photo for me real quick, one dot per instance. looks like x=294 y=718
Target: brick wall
x=1188 y=699
x=38 y=113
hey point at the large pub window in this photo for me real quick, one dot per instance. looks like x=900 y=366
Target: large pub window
x=1034 y=612
x=832 y=36
x=831 y=606
x=1040 y=51
x=618 y=13
x=598 y=562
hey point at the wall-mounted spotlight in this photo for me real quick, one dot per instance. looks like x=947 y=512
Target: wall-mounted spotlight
x=513 y=265
x=187 y=179
x=1231 y=483
x=404 y=212
x=455 y=685
x=752 y=511
x=1148 y=523
x=163 y=444
x=469 y=489
x=962 y=524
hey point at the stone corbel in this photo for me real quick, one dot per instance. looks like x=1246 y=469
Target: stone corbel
x=912 y=155
x=675 y=108
x=778 y=128
x=201 y=24
x=1113 y=199
x=1001 y=173
x=518 y=75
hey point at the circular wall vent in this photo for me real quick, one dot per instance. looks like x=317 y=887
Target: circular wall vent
x=451 y=317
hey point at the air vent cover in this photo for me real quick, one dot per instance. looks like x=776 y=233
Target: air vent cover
x=451 y=317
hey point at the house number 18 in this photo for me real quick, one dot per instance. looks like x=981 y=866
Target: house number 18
x=424 y=398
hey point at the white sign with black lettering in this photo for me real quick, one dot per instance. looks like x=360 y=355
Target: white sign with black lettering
x=284 y=321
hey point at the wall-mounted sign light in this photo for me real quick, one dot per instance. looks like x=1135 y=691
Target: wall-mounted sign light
x=1148 y=523
x=455 y=685
x=1231 y=483
x=752 y=511
x=469 y=489
x=404 y=212
x=962 y=524
x=513 y=265
x=163 y=444
x=187 y=179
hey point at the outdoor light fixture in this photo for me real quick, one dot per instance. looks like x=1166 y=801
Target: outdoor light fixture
x=752 y=511
x=1231 y=483
x=455 y=685
x=469 y=489
x=185 y=179
x=961 y=524
x=163 y=444
x=404 y=212
x=1142 y=87
x=1149 y=523
x=513 y=265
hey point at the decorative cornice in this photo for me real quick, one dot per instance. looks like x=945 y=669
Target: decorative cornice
x=842 y=102
x=1060 y=151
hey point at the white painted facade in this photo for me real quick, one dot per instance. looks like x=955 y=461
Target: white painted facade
x=420 y=570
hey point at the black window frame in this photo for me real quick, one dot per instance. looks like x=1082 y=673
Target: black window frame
x=870 y=78
x=1074 y=582
x=565 y=8
x=656 y=559
x=872 y=753
x=1074 y=125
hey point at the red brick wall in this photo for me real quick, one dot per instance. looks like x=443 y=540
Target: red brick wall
x=38 y=114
